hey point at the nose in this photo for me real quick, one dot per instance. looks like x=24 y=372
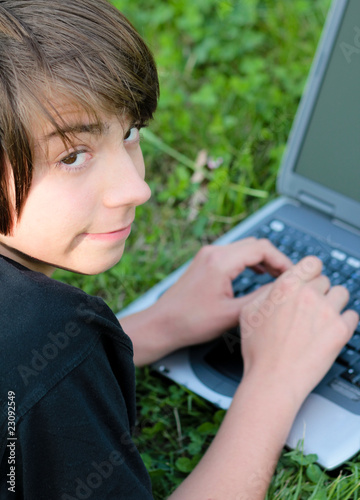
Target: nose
x=124 y=182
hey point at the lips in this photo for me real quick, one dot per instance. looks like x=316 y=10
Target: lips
x=113 y=232
x=111 y=235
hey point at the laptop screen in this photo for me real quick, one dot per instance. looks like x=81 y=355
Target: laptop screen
x=330 y=153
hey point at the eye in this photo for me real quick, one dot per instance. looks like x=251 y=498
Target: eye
x=75 y=159
x=132 y=135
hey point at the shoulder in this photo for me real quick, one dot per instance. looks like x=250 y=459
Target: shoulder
x=33 y=299
x=47 y=329
x=33 y=303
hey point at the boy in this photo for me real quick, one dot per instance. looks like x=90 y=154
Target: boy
x=77 y=84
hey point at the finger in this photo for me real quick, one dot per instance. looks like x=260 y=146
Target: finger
x=351 y=319
x=304 y=271
x=236 y=306
x=251 y=252
x=321 y=284
x=307 y=268
x=259 y=294
x=338 y=296
x=274 y=261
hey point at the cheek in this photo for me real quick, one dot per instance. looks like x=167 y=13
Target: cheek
x=51 y=209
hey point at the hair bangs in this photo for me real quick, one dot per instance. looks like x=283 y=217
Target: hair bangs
x=82 y=52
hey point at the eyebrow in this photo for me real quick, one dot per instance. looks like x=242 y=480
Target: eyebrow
x=79 y=128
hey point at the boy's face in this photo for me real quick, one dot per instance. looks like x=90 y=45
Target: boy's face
x=82 y=200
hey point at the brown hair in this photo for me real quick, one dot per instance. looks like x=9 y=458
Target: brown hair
x=83 y=50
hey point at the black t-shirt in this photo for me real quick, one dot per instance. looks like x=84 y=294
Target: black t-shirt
x=69 y=365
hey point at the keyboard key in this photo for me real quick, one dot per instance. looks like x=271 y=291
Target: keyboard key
x=256 y=286
x=310 y=250
x=353 y=262
x=283 y=249
x=323 y=256
x=347 y=270
x=354 y=342
x=307 y=238
x=352 y=376
x=356 y=276
x=336 y=278
x=286 y=240
x=336 y=254
x=299 y=245
x=263 y=279
x=355 y=305
x=277 y=226
x=348 y=357
x=351 y=285
x=334 y=264
x=241 y=284
x=264 y=231
x=356 y=367
x=274 y=238
x=294 y=257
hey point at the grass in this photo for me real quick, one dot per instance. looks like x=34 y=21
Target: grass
x=232 y=74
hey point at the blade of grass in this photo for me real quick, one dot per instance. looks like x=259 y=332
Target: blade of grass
x=158 y=143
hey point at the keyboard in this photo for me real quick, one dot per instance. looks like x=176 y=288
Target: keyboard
x=341 y=269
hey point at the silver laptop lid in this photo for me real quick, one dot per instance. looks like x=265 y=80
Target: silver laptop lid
x=321 y=165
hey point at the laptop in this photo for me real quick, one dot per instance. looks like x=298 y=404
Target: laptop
x=317 y=212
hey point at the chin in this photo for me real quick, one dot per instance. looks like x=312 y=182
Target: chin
x=98 y=266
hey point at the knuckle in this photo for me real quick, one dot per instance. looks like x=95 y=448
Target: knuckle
x=287 y=281
x=204 y=252
x=344 y=292
x=327 y=281
x=308 y=296
x=308 y=266
x=282 y=284
x=209 y=254
x=341 y=329
x=250 y=239
x=341 y=294
x=264 y=242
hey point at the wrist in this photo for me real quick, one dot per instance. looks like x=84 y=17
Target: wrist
x=151 y=332
x=274 y=391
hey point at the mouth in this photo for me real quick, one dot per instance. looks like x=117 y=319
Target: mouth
x=116 y=235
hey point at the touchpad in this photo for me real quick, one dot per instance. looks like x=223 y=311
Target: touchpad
x=218 y=364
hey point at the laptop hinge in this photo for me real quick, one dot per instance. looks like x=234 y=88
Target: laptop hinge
x=321 y=205
x=345 y=225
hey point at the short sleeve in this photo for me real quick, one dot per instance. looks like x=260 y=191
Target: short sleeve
x=70 y=364
x=75 y=443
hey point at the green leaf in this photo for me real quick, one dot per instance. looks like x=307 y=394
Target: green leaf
x=146 y=458
x=184 y=464
x=219 y=416
x=207 y=428
x=296 y=457
x=320 y=495
x=314 y=473
x=156 y=429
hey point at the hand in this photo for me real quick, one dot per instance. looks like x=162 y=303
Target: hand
x=201 y=305
x=292 y=333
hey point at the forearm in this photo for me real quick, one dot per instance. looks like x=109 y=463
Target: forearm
x=241 y=460
x=150 y=332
